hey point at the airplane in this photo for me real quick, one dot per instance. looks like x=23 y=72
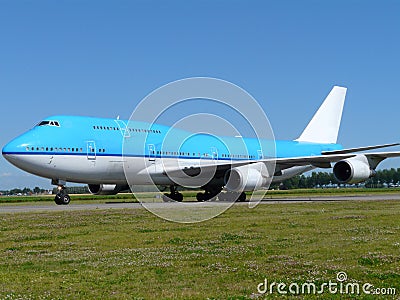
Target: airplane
x=112 y=155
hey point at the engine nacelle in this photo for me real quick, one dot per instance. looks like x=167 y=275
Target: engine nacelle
x=246 y=178
x=104 y=189
x=353 y=170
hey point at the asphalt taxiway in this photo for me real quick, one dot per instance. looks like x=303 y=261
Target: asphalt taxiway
x=48 y=207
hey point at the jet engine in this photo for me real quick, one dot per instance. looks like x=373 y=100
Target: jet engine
x=246 y=178
x=105 y=189
x=353 y=170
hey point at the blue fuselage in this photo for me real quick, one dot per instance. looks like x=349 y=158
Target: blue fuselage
x=86 y=136
x=90 y=139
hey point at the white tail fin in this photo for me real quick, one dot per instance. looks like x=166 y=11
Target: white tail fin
x=324 y=126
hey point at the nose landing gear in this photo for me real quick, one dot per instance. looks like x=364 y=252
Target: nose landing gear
x=62 y=197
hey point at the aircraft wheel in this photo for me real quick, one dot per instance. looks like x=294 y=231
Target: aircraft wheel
x=200 y=197
x=178 y=197
x=57 y=200
x=242 y=197
x=229 y=197
x=65 y=199
x=166 y=198
x=173 y=197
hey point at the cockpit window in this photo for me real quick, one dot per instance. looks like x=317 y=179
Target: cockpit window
x=43 y=123
x=49 y=123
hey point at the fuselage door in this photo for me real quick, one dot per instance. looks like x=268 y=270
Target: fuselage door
x=260 y=154
x=152 y=152
x=91 y=150
x=214 y=153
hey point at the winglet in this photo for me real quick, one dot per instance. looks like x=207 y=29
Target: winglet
x=324 y=126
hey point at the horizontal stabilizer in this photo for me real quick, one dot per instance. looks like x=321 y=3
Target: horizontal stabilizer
x=352 y=150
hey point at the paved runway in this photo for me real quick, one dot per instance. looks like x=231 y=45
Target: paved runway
x=44 y=207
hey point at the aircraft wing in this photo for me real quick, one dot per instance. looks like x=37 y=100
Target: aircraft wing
x=382 y=155
x=319 y=161
x=352 y=150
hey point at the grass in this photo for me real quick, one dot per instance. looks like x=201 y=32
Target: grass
x=131 y=254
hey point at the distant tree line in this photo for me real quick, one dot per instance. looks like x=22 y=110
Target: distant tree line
x=39 y=191
x=24 y=191
x=382 y=178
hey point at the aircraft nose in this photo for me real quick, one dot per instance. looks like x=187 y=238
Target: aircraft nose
x=19 y=152
x=14 y=147
x=7 y=149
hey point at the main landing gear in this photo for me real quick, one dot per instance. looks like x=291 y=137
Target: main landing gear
x=214 y=194
x=174 y=195
x=232 y=197
x=208 y=195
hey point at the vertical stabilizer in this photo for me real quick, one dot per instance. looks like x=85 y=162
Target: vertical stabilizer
x=324 y=126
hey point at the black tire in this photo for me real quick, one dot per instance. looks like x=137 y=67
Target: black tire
x=178 y=197
x=227 y=197
x=200 y=197
x=65 y=199
x=166 y=198
x=242 y=197
x=57 y=200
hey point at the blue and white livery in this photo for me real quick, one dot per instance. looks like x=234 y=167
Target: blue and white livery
x=111 y=154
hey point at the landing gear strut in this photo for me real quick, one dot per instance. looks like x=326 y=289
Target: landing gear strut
x=62 y=197
x=174 y=195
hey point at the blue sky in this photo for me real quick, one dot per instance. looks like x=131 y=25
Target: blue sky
x=100 y=58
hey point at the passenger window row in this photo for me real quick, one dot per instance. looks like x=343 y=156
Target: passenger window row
x=201 y=155
x=173 y=153
x=102 y=150
x=55 y=149
x=97 y=127
x=239 y=156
